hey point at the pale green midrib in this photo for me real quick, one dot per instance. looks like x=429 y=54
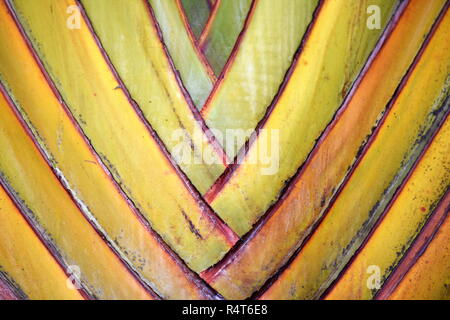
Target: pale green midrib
x=212 y=248
x=223 y=114
x=197 y=12
x=225 y=29
x=201 y=175
x=193 y=73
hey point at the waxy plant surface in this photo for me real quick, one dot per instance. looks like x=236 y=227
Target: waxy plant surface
x=226 y=149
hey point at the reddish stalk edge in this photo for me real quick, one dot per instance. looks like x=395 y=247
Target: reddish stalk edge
x=417 y=248
x=239 y=248
x=383 y=215
x=372 y=138
x=194 y=43
x=206 y=210
x=206 y=30
x=220 y=183
x=18 y=204
x=231 y=58
x=174 y=256
x=195 y=112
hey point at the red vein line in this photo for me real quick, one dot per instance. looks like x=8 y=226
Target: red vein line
x=84 y=292
x=417 y=249
x=47 y=244
x=290 y=186
x=173 y=255
x=222 y=181
x=203 y=59
x=205 y=209
x=9 y=290
x=191 y=275
x=231 y=57
x=207 y=29
x=195 y=112
x=103 y=236
x=417 y=161
x=385 y=212
x=210 y=4
x=180 y=262
x=372 y=138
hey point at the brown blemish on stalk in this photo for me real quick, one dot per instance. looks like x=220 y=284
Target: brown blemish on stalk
x=192 y=227
x=42 y=236
x=223 y=228
x=87 y=291
x=211 y=273
x=418 y=247
x=203 y=287
x=9 y=289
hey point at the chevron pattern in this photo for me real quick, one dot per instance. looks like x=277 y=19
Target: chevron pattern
x=245 y=149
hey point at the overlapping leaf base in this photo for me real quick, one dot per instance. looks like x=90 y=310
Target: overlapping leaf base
x=118 y=180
